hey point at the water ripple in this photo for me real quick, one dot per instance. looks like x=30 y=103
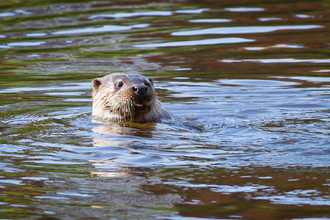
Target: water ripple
x=244 y=9
x=280 y=60
x=105 y=28
x=229 y=40
x=244 y=30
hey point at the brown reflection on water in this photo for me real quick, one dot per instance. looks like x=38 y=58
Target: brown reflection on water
x=210 y=61
x=200 y=200
x=124 y=128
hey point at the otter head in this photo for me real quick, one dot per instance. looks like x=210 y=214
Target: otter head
x=123 y=97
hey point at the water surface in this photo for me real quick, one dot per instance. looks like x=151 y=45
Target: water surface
x=248 y=82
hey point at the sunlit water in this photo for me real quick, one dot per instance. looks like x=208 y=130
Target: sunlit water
x=247 y=82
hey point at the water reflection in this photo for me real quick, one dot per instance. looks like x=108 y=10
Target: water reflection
x=192 y=11
x=244 y=30
x=244 y=9
x=275 y=46
x=105 y=28
x=36 y=34
x=133 y=14
x=306 y=78
x=281 y=60
x=210 y=20
x=270 y=19
x=7 y=14
x=229 y=40
x=63 y=87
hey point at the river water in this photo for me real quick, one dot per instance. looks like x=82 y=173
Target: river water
x=248 y=82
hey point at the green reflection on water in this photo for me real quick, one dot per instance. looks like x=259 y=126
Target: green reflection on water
x=14 y=4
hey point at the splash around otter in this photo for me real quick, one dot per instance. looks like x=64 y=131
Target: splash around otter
x=124 y=97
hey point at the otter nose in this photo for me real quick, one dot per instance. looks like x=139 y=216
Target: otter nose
x=140 y=90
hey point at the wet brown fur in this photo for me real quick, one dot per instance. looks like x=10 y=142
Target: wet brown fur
x=115 y=98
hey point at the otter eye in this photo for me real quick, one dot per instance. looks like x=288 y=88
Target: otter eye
x=120 y=84
x=146 y=83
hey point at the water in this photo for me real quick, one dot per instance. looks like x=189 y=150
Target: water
x=248 y=82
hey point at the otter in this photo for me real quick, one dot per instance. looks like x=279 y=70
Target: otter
x=124 y=97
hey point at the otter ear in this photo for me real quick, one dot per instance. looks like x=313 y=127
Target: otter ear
x=151 y=81
x=96 y=83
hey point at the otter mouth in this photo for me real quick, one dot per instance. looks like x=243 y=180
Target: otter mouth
x=139 y=105
x=140 y=102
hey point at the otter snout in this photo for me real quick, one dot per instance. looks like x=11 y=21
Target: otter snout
x=140 y=90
